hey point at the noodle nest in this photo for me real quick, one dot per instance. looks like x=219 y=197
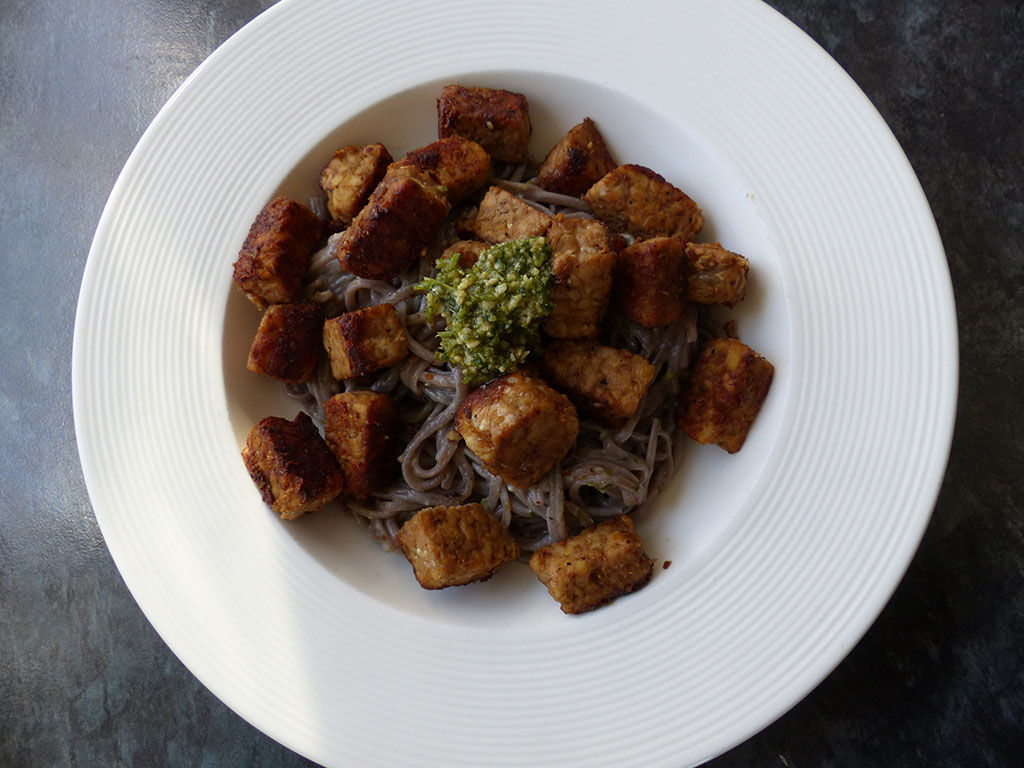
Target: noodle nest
x=606 y=473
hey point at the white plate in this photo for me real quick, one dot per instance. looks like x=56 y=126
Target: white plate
x=782 y=555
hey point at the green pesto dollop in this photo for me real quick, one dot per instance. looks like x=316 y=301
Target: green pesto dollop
x=493 y=309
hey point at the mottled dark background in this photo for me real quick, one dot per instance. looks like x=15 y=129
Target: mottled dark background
x=84 y=679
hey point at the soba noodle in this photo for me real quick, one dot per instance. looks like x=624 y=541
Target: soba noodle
x=608 y=472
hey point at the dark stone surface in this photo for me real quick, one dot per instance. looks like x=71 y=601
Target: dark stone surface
x=84 y=679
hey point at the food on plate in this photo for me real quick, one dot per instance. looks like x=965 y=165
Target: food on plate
x=596 y=565
x=288 y=342
x=576 y=162
x=394 y=228
x=452 y=546
x=582 y=261
x=363 y=430
x=291 y=465
x=728 y=384
x=364 y=341
x=603 y=382
x=715 y=275
x=635 y=199
x=493 y=310
x=349 y=178
x=503 y=216
x=497 y=120
x=650 y=281
x=461 y=166
x=506 y=350
x=276 y=252
x=518 y=427
x=468 y=251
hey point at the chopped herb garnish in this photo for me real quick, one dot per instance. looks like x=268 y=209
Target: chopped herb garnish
x=493 y=309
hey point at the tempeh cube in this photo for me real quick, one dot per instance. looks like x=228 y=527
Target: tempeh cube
x=601 y=381
x=395 y=227
x=363 y=432
x=576 y=162
x=637 y=200
x=715 y=275
x=451 y=546
x=728 y=384
x=583 y=262
x=469 y=251
x=460 y=165
x=276 y=252
x=291 y=465
x=518 y=426
x=595 y=566
x=364 y=341
x=650 y=281
x=350 y=177
x=288 y=342
x=497 y=120
x=503 y=216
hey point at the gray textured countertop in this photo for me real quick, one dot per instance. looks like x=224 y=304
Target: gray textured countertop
x=85 y=680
